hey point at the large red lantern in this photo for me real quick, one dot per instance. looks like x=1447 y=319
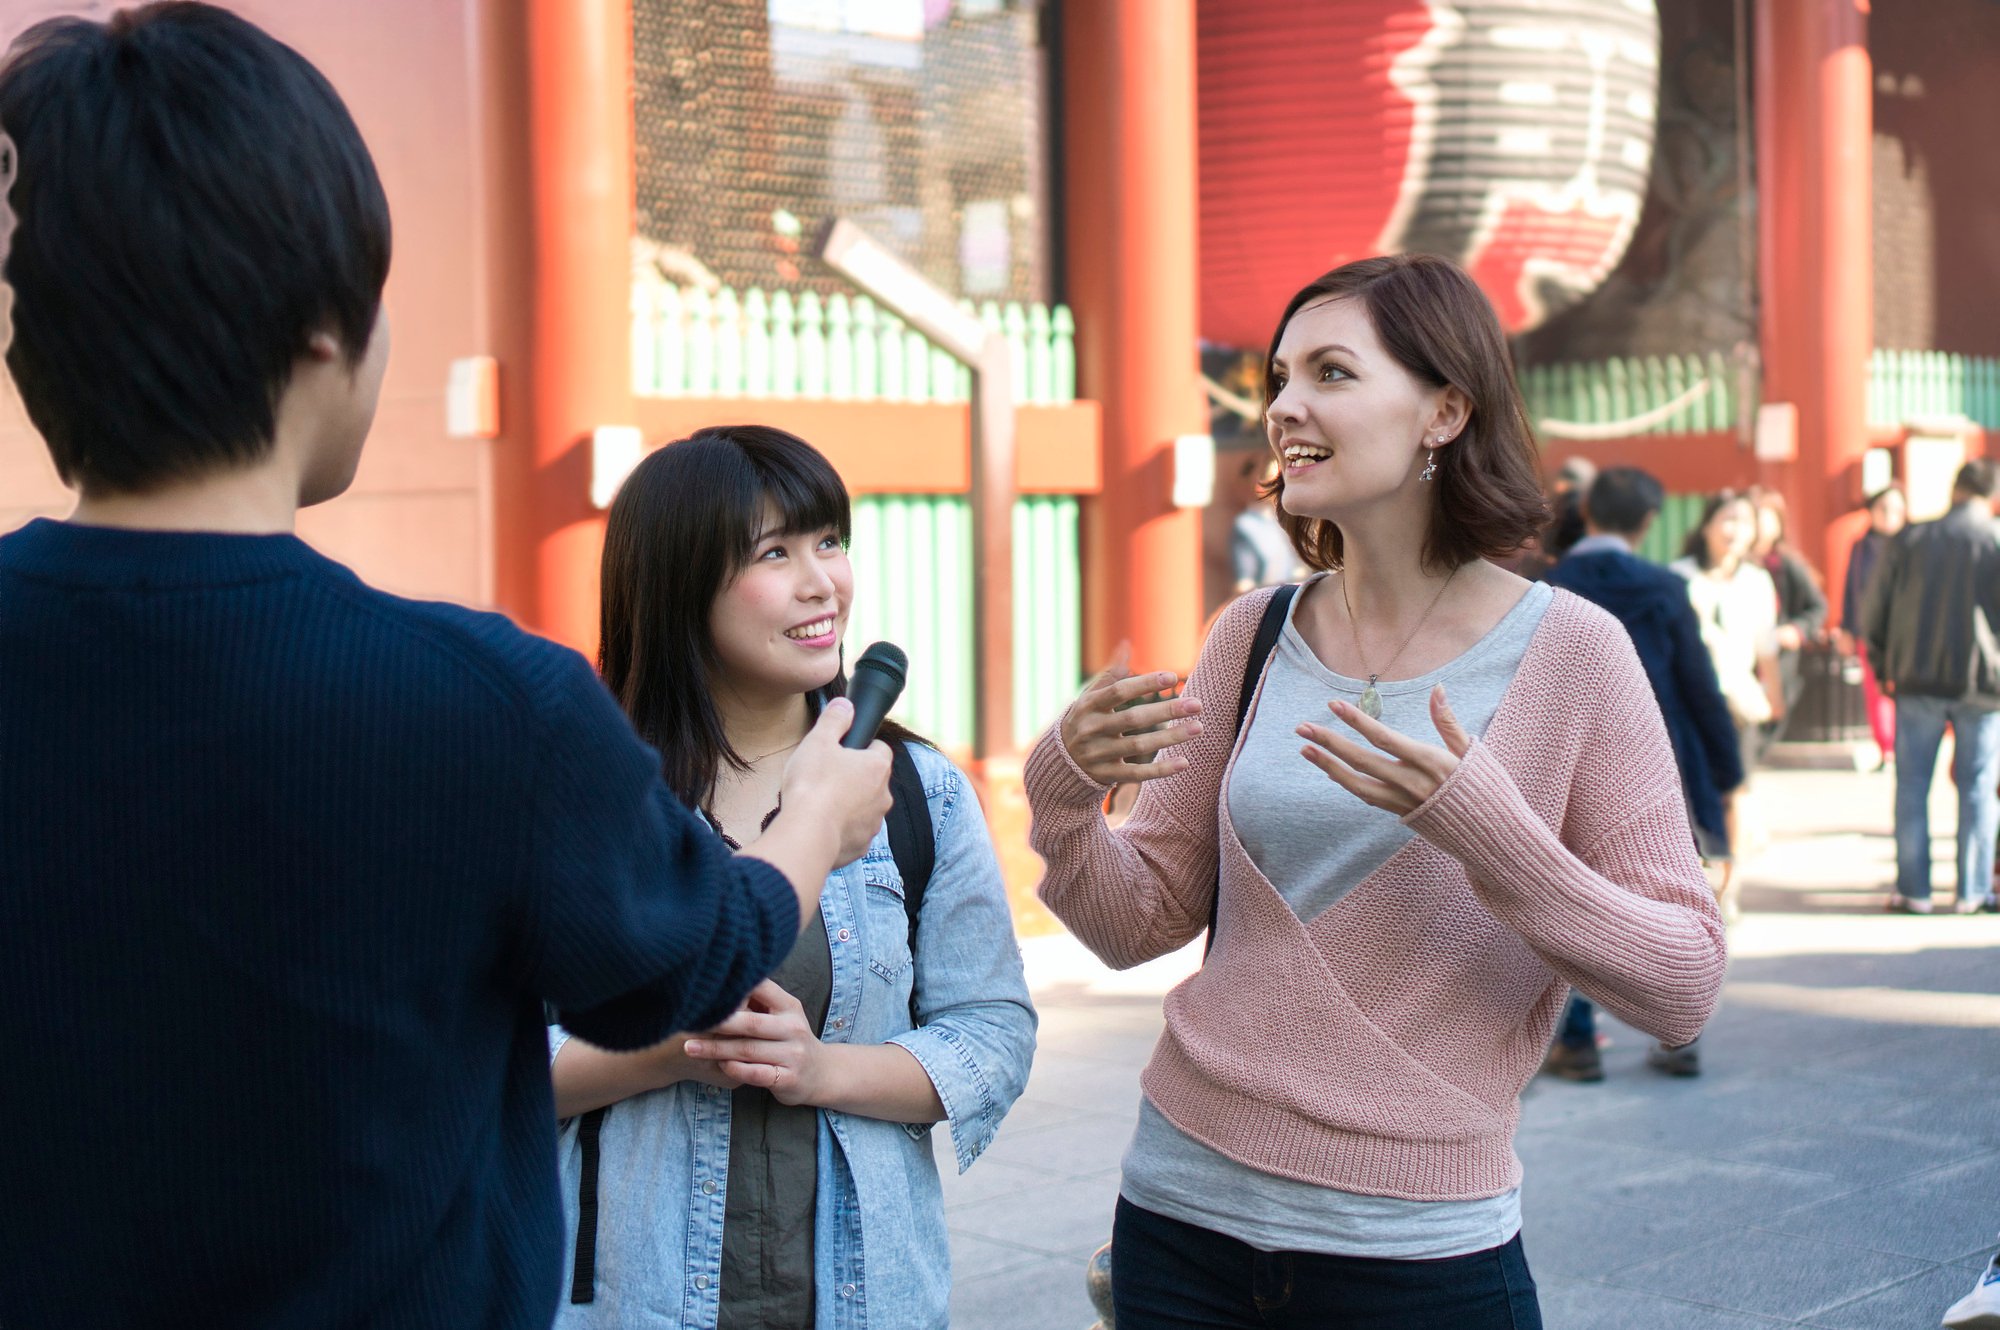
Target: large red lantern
x=1513 y=137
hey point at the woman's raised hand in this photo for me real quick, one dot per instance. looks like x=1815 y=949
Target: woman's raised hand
x=1100 y=737
x=1404 y=774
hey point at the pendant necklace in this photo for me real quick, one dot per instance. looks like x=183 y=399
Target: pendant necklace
x=1370 y=704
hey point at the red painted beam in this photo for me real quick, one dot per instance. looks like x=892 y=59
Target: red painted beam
x=903 y=447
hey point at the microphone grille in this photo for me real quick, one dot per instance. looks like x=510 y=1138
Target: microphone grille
x=886 y=657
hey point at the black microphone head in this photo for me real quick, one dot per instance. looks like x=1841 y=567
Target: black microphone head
x=888 y=658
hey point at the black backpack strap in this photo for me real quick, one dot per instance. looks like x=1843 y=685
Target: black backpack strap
x=1268 y=628
x=911 y=840
x=583 y=1277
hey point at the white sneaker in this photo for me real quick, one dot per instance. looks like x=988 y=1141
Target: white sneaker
x=1979 y=1309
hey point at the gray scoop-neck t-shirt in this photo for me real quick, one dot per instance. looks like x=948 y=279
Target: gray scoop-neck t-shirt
x=1274 y=794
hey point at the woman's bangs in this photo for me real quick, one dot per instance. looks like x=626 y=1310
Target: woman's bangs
x=809 y=496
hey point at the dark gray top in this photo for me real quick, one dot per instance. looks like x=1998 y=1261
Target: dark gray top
x=767 y=1225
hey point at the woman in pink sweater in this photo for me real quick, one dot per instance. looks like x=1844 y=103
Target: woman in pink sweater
x=1403 y=899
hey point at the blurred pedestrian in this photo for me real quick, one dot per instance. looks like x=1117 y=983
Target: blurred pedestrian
x=1652 y=603
x=1888 y=511
x=1260 y=553
x=1930 y=620
x=1397 y=909
x=1737 y=606
x=1801 y=602
x=1564 y=526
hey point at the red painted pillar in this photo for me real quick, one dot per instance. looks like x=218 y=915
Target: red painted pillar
x=1129 y=89
x=579 y=371
x=1815 y=125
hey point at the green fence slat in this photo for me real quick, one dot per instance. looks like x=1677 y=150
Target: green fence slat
x=1014 y=323
x=812 y=346
x=756 y=343
x=839 y=348
x=1068 y=601
x=1617 y=390
x=1041 y=365
x=1721 y=391
x=1025 y=626
x=728 y=344
x=784 y=345
x=1062 y=354
x=955 y=632
x=867 y=351
x=645 y=332
x=944 y=376
x=889 y=357
x=919 y=583
x=916 y=366
x=669 y=342
x=700 y=344
x=1650 y=383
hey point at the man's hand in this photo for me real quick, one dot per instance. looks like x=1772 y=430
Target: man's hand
x=840 y=788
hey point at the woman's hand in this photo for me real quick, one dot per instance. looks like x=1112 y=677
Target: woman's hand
x=1404 y=774
x=1100 y=737
x=767 y=1043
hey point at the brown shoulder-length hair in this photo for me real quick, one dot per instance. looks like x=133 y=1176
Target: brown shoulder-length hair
x=1440 y=327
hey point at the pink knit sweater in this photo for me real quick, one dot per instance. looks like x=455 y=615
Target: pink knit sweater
x=1382 y=1047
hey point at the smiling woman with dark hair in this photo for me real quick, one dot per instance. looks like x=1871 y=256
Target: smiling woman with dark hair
x=1398 y=907
x=806 y=1115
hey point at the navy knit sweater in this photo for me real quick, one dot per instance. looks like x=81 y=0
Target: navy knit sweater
x=287 y=868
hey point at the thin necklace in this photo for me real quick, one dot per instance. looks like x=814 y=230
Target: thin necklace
x=1371 y=701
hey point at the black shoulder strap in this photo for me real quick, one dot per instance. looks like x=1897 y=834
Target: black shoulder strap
x=1268 y=629
x=911 y=839
x=583 y=1275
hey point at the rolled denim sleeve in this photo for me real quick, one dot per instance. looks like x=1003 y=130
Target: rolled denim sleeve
x=975 y=1037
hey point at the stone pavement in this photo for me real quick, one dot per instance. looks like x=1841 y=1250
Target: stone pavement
x=1837 y=1165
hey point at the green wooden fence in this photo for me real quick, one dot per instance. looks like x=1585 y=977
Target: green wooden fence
x=1908 y=385
x=1605 y=392
x=687 y=342
x=912 y=556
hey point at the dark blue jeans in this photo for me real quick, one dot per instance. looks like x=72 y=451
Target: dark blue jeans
x=1579 y=1023
x=1167 y=1275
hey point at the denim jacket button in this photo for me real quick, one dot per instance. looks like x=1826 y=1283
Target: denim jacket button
x=844 y=935
x=708 y=1188
x=701 y=1281
x=840 y=1023
x=847 y=1290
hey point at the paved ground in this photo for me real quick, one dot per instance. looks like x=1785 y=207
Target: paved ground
x=1837 y=1165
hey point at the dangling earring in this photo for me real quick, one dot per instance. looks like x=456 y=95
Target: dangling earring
x=1431 y=462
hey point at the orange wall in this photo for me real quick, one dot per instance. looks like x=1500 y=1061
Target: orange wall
x=420 y=81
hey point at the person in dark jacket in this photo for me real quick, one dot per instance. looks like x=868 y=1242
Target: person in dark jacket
x=1888 y=512
x=1653 y=605
x=1929 y=621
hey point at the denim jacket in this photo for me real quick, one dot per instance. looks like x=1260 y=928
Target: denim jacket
x=879 y=1233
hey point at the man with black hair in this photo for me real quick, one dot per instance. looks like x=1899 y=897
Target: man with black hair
x=1930 y=622
x=1653 y=604
x=288 y=867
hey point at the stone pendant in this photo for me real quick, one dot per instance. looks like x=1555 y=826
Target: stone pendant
x=1371 y=702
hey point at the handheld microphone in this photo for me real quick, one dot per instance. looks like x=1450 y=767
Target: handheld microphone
x=873 y=688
